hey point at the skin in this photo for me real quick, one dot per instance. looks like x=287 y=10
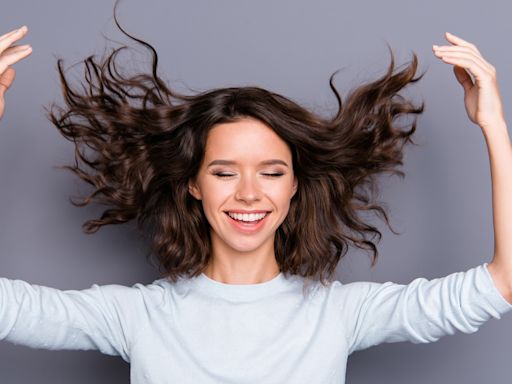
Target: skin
x=245 y=259
x=247 y=184
x=10 y=53
x=485 y=108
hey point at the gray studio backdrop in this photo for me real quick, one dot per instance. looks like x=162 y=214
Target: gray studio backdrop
x=442 y=208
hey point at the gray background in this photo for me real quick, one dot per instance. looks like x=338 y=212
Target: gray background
x=442 y=208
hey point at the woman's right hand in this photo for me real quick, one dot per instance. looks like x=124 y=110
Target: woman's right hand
x=10 y=54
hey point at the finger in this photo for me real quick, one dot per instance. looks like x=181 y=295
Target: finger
x=459 y=41
x=9 y=33
x=6 y=80
x=463 y=77
x=14 y=49
x=10 y=38
x=468 y=56
x=13 y=57
x=476 y=70
x=455 y=50
x=470 y=59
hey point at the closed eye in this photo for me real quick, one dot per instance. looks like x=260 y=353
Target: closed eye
x=273 y=174
x=221 y=174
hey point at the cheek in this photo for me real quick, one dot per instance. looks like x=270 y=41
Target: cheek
x=215 y=195
x=281 y=194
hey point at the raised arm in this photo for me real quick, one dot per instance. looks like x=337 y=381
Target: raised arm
x=10 y=54
x=422 y=311
x=484 y=107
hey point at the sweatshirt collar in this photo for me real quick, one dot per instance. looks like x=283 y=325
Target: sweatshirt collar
x=241 y=292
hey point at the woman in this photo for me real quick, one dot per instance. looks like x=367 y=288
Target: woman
x=250 y=198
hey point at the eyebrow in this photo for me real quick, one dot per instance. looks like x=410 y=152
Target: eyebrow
x=231 y=162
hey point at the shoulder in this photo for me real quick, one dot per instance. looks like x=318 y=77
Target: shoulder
x=137 y=294
x=342 y=296
x=354 y=291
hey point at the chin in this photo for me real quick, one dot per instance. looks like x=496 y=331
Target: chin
x=246 y=247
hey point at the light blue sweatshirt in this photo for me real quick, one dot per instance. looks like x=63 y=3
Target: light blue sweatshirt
x=203 y=331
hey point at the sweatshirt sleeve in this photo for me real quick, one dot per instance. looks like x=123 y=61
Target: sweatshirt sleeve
x=424 y=310
x=100 y=318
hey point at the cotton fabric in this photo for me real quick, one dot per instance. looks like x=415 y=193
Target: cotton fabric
x=200 y=330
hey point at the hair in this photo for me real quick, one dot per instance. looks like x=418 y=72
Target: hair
x=146 y=142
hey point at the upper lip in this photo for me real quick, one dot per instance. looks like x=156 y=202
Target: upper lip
x=243 y=211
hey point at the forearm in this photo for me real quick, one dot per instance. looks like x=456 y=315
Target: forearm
x=500 y=156
x=422 y=311
x=44 y=317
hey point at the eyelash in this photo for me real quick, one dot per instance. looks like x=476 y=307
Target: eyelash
x=220 y=174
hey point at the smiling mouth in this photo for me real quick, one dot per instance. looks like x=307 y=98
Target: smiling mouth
x=247 y=218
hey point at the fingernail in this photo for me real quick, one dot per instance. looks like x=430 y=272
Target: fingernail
x=20 y=29
x=435 y=46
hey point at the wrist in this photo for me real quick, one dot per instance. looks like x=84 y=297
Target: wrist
x=496 y=131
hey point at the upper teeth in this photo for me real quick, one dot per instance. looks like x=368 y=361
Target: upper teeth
x=247 y=216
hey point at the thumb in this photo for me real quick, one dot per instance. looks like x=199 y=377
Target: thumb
x=6 y=79
x=463 y=78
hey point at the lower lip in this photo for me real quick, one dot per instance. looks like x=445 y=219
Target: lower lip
x=248 y=227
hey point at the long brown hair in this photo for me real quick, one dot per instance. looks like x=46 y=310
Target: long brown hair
x=138 y=144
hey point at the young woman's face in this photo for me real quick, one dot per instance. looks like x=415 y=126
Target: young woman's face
x=245 y=184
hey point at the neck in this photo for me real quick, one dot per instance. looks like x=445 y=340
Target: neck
x=230 y=266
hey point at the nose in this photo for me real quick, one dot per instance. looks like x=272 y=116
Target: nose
x=248 y=189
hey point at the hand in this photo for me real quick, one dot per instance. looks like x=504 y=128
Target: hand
x=10 y=54
x=478 y=78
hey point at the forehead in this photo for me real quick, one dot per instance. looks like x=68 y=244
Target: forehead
x=245 y=139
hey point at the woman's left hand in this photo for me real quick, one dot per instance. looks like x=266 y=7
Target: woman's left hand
x=484 y=107
x=481 y=93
